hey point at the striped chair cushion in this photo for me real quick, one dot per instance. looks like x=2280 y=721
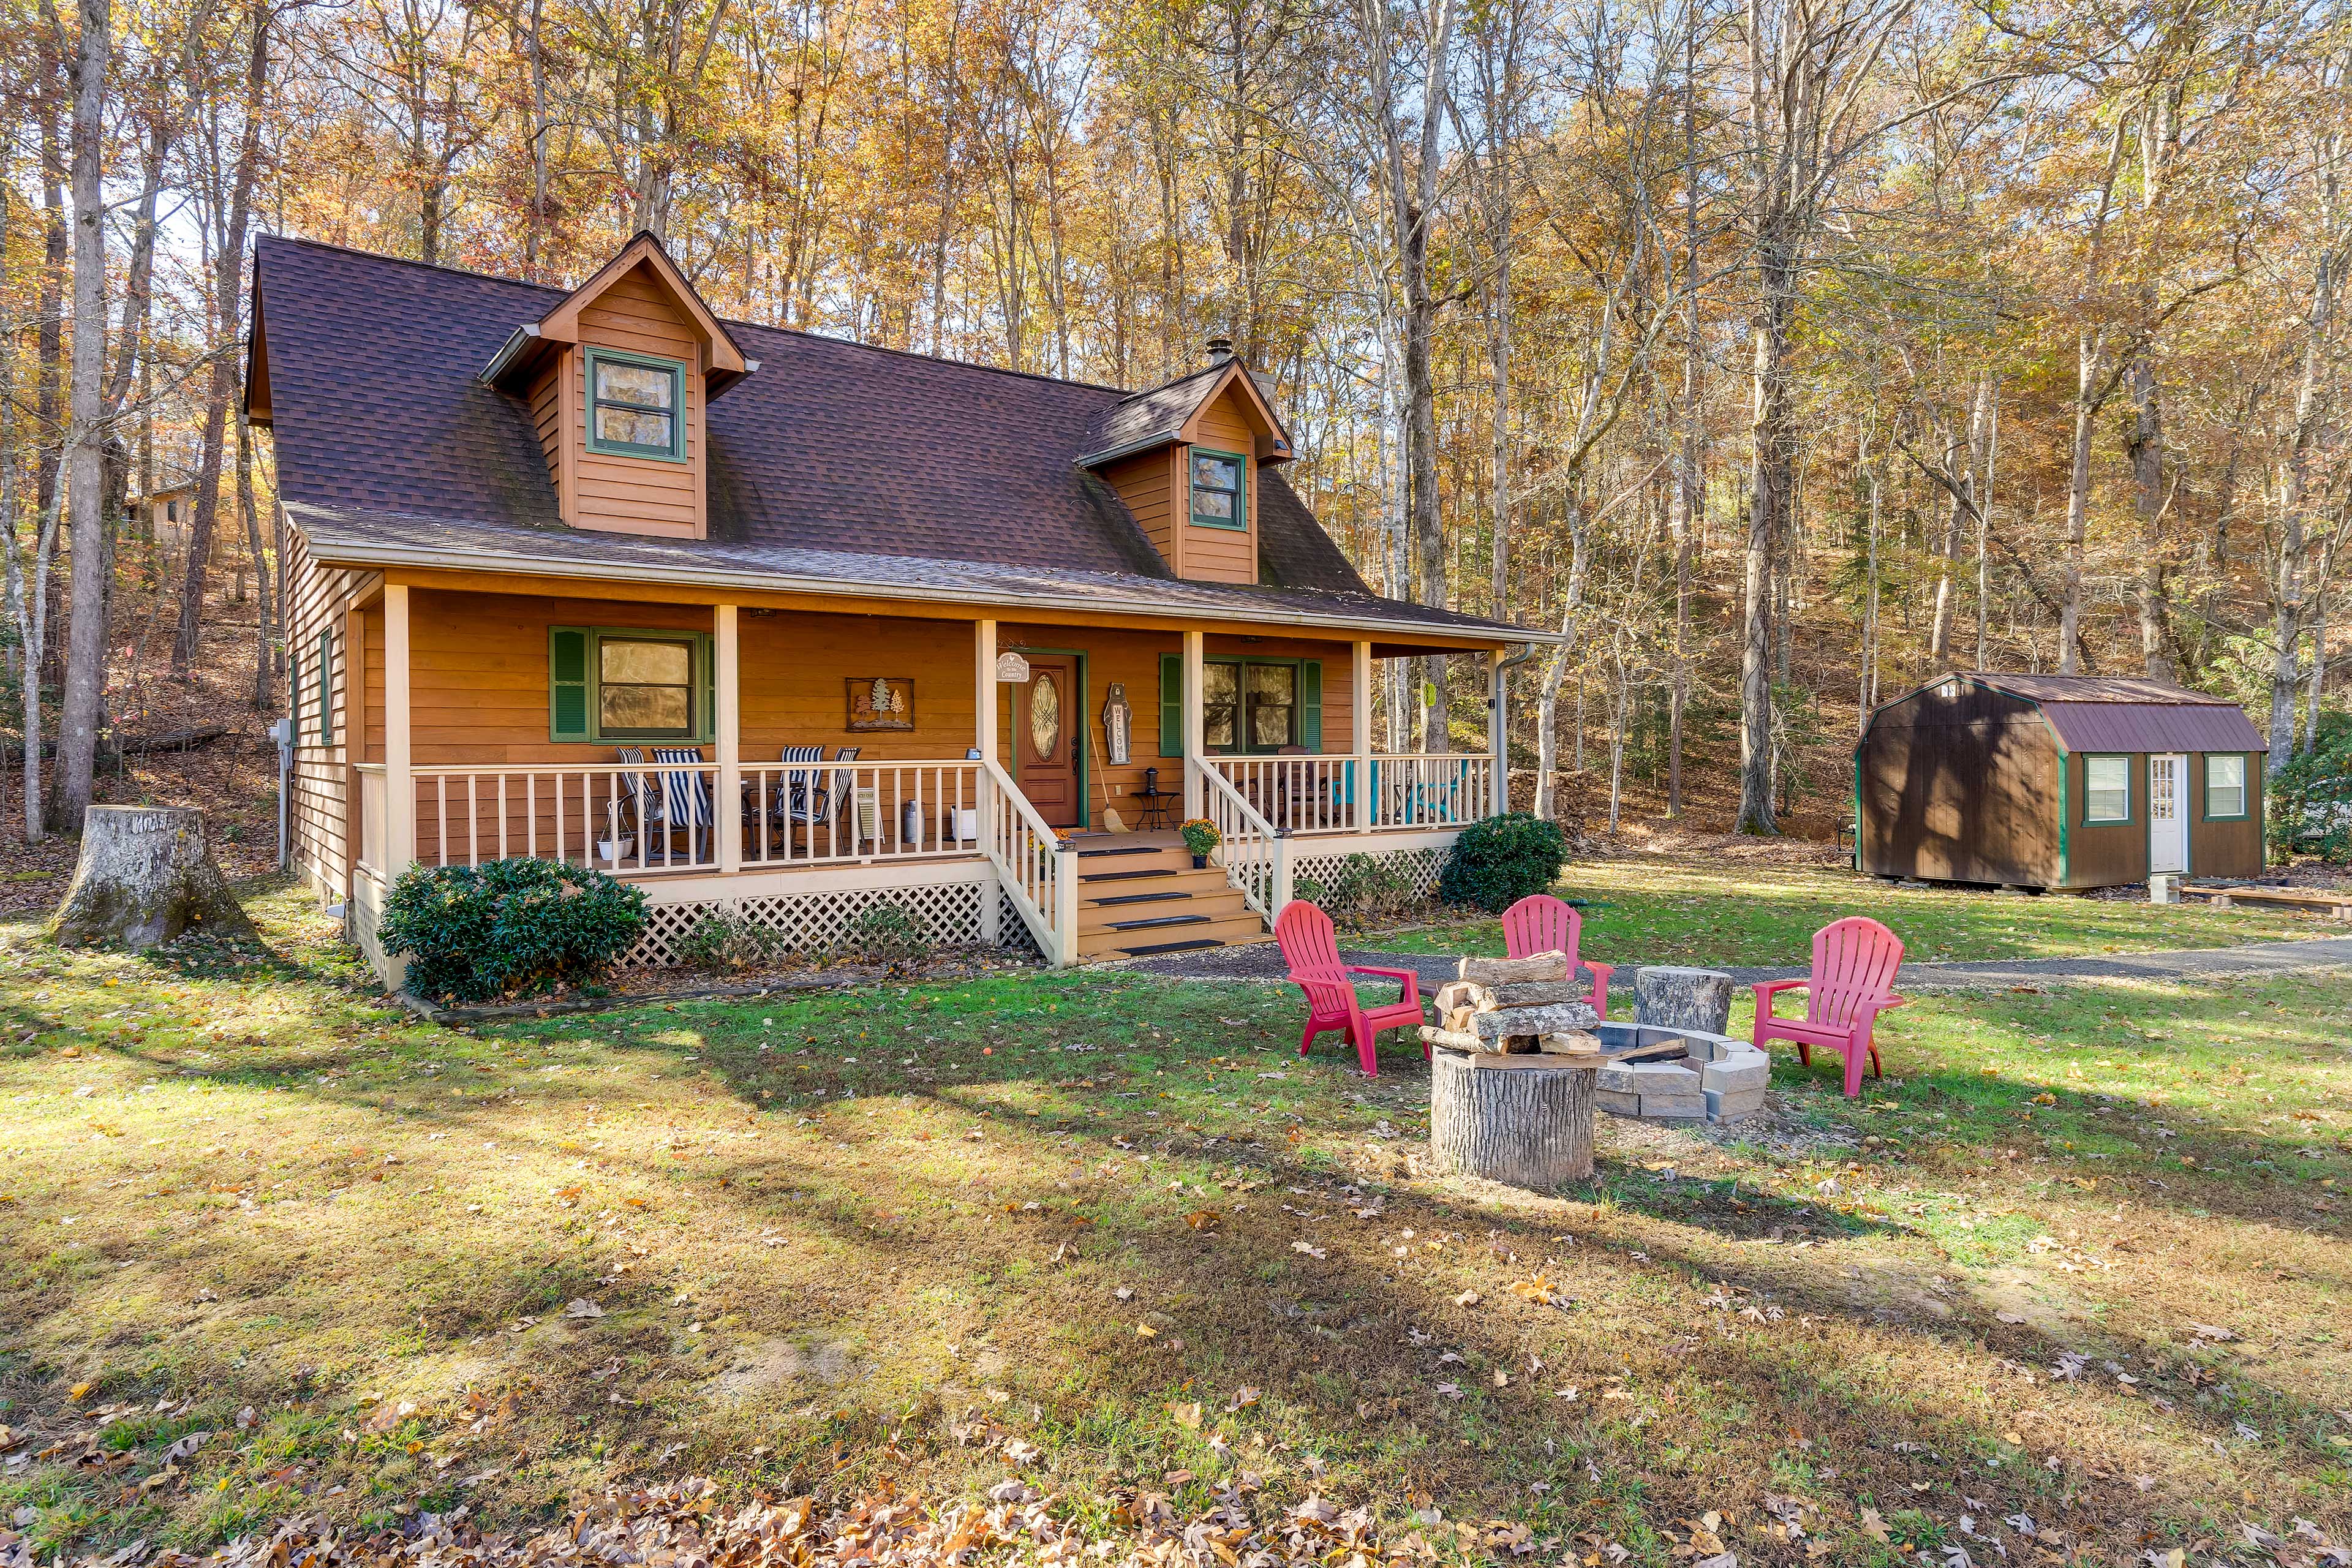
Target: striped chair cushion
x=686 y=796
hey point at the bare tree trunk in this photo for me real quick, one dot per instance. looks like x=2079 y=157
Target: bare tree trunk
x=85 y=684
x=2310 y=420
x=1689 y=498
x=2088 y=346
x=2144 y=450
x=228 y=268
x=1771 y=489
x=1555 y=669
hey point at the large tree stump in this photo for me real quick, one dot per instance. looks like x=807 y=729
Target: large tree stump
x=1528 y=1126
x=145 y=877
x=1672 y=998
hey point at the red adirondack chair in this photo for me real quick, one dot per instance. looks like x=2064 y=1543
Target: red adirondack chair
x=1312 y=949
x=1541 y=923
x=1854 y=961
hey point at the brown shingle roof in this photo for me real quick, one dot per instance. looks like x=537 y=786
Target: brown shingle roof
x=834 y=447
x=357 y=537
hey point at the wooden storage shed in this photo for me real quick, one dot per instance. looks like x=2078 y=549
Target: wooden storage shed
x=2057 y=781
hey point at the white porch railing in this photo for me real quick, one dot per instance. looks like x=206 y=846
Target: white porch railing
x=667 y=816
x=646 y=816
x=1337 y=793
x=1256 y=854
x=1038 y=870
x=801 y=814
x=375 y=821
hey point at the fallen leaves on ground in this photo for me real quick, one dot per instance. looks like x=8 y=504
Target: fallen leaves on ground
x=681 y=1523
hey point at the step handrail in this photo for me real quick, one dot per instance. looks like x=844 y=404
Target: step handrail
x=1257 y=853
x=1034 y=863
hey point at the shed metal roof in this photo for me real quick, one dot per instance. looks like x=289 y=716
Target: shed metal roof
x=2110 y=713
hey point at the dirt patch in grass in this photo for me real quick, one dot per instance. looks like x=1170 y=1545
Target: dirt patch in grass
x=2082 y=1258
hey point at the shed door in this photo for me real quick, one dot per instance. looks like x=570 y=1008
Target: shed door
x=2168 y=814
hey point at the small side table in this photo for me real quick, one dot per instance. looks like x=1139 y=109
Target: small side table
x=1154 y=806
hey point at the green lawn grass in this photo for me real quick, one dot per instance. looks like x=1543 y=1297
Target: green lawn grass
x=1102 y=1229
x=1656 y=910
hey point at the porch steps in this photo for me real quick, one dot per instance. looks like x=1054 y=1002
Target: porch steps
x=1140 y=899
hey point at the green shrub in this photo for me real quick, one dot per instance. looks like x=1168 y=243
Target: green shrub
x=2311 y=796
x=507 y=927
x=1498 y=861
x=724 y=940
x=1361 y=890
x=885 y=934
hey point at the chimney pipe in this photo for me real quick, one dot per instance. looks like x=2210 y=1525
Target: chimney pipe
x=1221 y=349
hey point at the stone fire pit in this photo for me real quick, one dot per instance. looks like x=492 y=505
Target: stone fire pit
x=1713 y=1077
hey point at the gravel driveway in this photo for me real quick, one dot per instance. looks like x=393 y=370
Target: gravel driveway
x=1263 y=960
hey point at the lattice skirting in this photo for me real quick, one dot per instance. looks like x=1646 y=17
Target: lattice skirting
x=1421 y=867
x=948 y=911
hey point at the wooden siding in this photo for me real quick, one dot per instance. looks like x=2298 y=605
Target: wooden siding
x=1961 y=788
x=1147 y=483
x=2233 y=845
x=1223 y=554
x=2106 y=854
x=479 y=684
x=320 y=807
x=618 y=494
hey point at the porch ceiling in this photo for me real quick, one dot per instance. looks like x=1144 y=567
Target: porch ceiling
x=360 y=539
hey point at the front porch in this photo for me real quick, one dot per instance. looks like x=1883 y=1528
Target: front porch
x=1001 y=780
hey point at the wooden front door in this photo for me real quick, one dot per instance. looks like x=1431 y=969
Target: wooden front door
x=1047 y=730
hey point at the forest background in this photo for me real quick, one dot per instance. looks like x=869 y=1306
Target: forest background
x=1782 y=352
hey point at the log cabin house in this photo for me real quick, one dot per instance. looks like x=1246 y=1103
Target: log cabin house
x=786 y=625
x=2057 y=781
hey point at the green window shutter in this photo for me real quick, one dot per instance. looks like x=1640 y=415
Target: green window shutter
x=1171 y=704
x=705 y=656
x=1310 y=703
x=327 y=688
x=567 y=683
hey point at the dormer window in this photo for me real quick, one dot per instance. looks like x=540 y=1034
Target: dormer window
x=635 y=405
x=1217 y=498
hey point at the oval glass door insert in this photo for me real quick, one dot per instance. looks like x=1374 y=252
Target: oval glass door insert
x=1045 y=717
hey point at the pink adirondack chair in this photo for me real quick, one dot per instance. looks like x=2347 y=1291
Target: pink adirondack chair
x=1854 y=961
x=1541 y=923
x=1312 y=949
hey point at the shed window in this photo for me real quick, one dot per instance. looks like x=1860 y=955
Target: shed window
x=1219 y=500
x=634 y=406
x=2106 y=789
x=2225 y=787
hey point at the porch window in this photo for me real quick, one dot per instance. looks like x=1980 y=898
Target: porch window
x=634 y=406
x=2106 y=789
x=1219 y=498
x=1246 y=705
x=2225 y=787
x=608 y=683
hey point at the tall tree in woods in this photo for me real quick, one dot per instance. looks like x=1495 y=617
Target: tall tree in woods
x=1810 y=67
x=1407 y=80
x=92 y=53
x=224 y=206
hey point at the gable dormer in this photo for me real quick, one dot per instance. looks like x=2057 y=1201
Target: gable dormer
x=1188 y=457
x=617 y=378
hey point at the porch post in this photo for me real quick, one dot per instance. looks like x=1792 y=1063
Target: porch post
x=983 y=697
x=727 y=811
x=399 y=782
x=1359 y=743
x=1498 y=732
x=1195 y=792
x=984 y=738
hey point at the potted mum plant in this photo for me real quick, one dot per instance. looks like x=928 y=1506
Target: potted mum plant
x=1201 y=837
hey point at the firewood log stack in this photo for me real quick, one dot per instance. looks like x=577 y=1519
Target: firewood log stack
x=1515 y=1007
